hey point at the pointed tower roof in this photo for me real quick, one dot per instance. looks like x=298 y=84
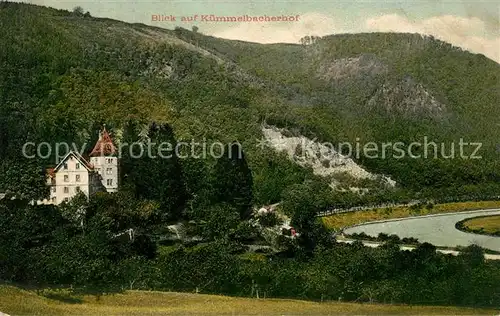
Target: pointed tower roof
x=104 y=146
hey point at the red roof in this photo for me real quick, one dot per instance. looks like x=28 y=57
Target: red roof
x=84 y=161
x=104 y=146
x=50 y=172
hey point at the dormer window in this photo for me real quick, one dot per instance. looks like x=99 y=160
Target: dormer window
x=65 y=166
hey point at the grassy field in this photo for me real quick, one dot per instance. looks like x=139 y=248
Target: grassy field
x=336 y=222
x=15 y=301
x=486 y=224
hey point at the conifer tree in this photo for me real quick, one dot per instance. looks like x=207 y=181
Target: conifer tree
x=153 y=170
x=233 y=180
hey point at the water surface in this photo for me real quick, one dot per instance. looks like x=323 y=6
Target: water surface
x=438 y=230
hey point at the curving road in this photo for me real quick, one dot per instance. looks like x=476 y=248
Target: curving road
x=438 y=229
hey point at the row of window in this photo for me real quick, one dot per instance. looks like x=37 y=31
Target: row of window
x=77 y=166
x=66 y=189
x=108 y=170
x=109 y=182
x=65 y=166
x=77 y=177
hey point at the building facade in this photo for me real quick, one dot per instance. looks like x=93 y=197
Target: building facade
x=75 y=174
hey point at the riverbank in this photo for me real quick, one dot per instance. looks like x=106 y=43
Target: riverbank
x=338 y=221
x=436 y=229
x=410 y=247
x=483 y=225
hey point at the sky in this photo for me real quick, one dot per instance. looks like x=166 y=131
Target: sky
x=472 y=25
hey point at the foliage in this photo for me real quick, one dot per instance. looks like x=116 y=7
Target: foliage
x=233 y=180
x=152 y=170
x=64 y=75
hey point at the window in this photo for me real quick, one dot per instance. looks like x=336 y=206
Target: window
x=66 y=199
x=65 y=166
x=66 y=178
x=77 y=166
x=109 y=170
x=54 y=189
x=109 y=182
x=54 y=199
x=66 y=190
x=77 y=178
x=77 y=189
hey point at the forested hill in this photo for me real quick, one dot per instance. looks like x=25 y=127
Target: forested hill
x=64 y=74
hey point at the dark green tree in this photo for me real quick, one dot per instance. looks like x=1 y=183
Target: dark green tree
x=232 y=180
x=152 y=170
x=303 y=202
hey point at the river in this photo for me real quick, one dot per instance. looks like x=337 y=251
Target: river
x=438 y=229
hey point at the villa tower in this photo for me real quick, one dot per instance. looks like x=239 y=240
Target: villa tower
x=105 y=161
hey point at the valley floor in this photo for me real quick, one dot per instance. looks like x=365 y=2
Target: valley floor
x=15 y=301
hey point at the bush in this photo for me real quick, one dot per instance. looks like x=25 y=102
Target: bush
x=269 y=219
x=78 y=11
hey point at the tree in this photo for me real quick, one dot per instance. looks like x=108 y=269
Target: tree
x=195 y=29
x=306 y=40
x=24 y=178
x=220 y=221
x=178 y=31
x=232 y=180
x=78 y=10
x=153 y=172
x=472 y=255
x=303 y=202
x=25 y=230
x=75 y=210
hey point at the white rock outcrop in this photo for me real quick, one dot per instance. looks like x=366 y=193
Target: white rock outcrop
x=321 y=157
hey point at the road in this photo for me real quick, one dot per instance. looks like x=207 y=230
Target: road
x=437 y=229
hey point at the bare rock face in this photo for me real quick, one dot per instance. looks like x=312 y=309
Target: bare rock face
x=323 y=158
x=369 y=75
x=354 y=67
x=407 y=97
x=163 y=70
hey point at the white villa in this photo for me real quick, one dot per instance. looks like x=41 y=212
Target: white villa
x=75 y=174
